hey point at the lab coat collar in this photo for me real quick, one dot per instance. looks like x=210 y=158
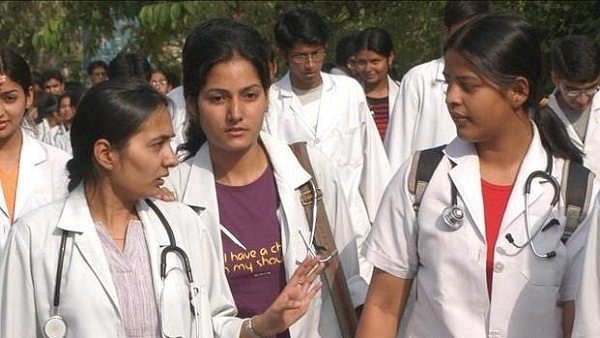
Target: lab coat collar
x=285 y=167
x=467 y=178
x=76 y=217
x=285 y=84
x=36 y=155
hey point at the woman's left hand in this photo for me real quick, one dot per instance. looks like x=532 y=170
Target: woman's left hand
x=292 y=303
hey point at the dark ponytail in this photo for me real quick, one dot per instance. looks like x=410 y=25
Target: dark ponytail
x=554 y=136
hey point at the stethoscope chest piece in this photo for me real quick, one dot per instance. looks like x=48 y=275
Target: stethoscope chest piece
x=55 y=327
x=453 y=217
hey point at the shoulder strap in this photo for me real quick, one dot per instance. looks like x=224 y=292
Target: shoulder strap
x=576 y=190
x=423 y=166
x=333 y=272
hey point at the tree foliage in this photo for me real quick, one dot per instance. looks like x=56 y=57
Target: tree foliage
x=65 y=34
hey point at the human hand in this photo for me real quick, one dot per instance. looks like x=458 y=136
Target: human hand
x=293 y=301
x=164 y=194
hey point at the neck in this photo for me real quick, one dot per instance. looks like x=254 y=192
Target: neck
x=106 y=207
x=239 y=168
x=378 y=89
x=501 y=159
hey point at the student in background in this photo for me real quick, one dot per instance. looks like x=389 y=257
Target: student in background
x=32 y=173
x=97 y=71
x=424 y=121
x=329 y=112
x=374 y=58
x=576 y=76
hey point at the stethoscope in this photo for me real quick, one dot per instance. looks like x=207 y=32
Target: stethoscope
x=453 y=215
x=56 y=327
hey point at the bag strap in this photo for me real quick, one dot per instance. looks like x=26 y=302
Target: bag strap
x=423 y=166
x=576 y=190
x=333 y=272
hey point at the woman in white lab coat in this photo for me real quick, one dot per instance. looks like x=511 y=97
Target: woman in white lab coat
x=471 y=281
x=31 y=173
x=374 y=64
x=103 y=262
x=252 y=179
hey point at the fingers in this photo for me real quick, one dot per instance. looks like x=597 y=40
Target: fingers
x=165 y=194
x=307 y=272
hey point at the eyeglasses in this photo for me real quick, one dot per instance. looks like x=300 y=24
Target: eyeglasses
x=159 y=82
x=576 y=92
x=316 y=56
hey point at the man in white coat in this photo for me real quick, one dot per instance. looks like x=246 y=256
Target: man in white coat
x=329 y=112
x=576 y=76
x=423 y=120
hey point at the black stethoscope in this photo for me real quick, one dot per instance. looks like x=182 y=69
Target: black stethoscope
x=56 y=327
x=453 y=215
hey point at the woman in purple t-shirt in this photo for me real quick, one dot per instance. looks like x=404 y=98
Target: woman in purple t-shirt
x=251 y=179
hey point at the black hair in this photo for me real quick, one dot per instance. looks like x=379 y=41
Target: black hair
x=456 y=12
x=503 y=46
x=113 y=110
x=173 y=79
x=378 y=40
x=48 y=105
x=13 y=65
x=96 y=64
x=132 y=65
x=576 y=58
x=50 y=74
x=209 y=44
x=300 y=25
x=345 y=49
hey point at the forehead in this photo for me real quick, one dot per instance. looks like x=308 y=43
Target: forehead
x=303 y=47
x=456 y=65
x=581 y=85
x=368 y=54
x=157 y=123
x=9 y=85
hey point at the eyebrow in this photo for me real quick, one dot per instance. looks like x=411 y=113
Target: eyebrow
x=10 y=91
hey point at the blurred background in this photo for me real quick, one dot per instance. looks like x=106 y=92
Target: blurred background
x=69 y=34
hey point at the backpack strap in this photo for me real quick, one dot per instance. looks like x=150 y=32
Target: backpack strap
x=423 y=166
x=335 y=280
x=576 y=190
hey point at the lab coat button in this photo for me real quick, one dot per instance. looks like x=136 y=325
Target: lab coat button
x=498 y=267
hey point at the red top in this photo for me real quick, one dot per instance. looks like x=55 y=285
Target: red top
x=495 y=199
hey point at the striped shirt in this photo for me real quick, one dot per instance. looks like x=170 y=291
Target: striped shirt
x=132 y=275
x=381 y=113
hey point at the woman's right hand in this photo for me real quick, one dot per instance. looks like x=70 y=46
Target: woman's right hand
x=292 y=303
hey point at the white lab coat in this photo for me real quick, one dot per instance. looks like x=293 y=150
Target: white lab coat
x=42 y=179
x=587 y=303
x=88 y=298
x=591 y=145
x=422 y=119
x=393 y=93
x=178 y=116
x=194 y=183
x=452 y=298
x=346 y=134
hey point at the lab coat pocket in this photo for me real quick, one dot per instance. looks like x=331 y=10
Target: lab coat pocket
x=545 y=273
x=175 y=305
x=344 y=146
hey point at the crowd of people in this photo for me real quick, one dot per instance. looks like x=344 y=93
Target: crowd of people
x=457 y=200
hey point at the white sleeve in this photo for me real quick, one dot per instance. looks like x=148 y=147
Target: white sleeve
x=587 y=303
x=392 y=243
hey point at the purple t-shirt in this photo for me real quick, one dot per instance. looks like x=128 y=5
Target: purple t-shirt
x=256 y=275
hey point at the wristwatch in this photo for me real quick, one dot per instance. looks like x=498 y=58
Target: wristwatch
x=247 y=326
